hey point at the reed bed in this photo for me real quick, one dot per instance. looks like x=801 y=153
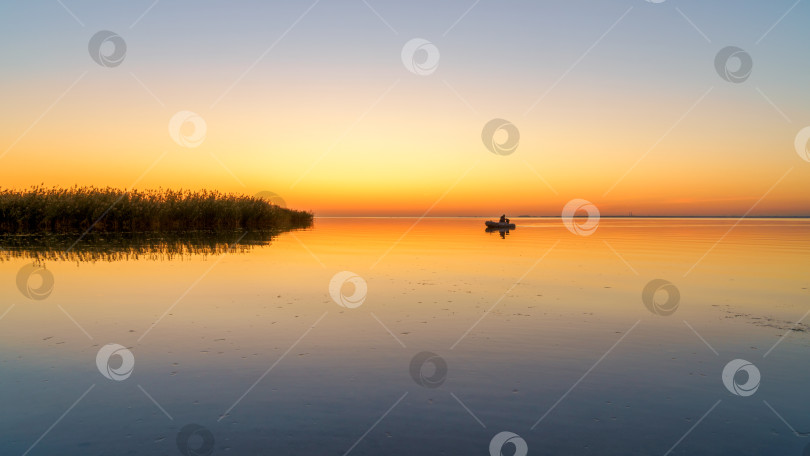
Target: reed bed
x=78 y=209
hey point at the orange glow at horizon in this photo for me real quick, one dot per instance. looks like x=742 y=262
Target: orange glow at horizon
x=408 y=159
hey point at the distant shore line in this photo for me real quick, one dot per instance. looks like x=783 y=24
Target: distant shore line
x=577 y=216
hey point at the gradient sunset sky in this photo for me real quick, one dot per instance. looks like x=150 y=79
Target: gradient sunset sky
x=617 y=102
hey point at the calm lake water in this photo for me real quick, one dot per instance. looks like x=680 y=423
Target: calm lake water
x=541 y=333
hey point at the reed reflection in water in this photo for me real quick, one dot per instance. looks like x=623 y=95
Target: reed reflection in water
x=131 y=246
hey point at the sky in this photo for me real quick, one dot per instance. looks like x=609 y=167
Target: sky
x=620 y=103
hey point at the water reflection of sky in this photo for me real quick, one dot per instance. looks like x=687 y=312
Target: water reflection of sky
x=570 y=350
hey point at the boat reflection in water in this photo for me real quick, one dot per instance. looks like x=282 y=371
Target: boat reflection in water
x=502 y=231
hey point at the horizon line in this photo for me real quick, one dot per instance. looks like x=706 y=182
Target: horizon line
x=579 y=216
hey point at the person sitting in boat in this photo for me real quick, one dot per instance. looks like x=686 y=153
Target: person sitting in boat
x=503 y=219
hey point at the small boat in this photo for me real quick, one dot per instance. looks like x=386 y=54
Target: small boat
x=503 y=226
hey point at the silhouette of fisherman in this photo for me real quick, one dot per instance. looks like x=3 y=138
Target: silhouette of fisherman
x=503 y=219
